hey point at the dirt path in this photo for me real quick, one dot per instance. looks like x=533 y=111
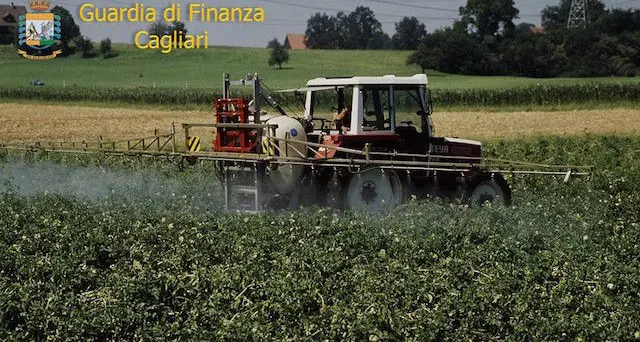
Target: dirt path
x=24 y=122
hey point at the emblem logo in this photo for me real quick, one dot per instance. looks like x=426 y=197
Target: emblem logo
x=39 y=32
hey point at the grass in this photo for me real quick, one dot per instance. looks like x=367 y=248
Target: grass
x=203 y=69
x=31 y=122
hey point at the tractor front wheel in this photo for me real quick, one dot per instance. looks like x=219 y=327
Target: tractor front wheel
x=492 y=189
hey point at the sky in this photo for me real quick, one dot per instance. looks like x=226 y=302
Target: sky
x=289 y=16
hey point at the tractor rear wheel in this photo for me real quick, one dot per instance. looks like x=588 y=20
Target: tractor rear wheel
x=374 y=190
x=492 y=189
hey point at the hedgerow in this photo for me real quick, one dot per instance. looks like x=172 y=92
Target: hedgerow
x=533 y=95
x=560 y=264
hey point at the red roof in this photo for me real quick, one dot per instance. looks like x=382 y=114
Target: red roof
x=295 y=42
x=537 y=29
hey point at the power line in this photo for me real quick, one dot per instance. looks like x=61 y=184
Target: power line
x=401 y=4
x=623 y=2
x=414 y=6
x=304 y=6
x=343 y=10
x=285 y=22
x=306 y=21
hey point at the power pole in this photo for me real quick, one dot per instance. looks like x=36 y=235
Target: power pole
x=578 y=14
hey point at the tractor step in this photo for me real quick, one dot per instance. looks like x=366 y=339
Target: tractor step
x=242 y=189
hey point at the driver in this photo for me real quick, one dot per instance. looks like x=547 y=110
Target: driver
x=342 y=119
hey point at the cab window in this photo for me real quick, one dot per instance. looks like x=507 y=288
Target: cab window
x=377 y=109
x=408 y=102
x=325 y=102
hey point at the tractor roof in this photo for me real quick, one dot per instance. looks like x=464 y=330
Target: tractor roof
x=420 y=79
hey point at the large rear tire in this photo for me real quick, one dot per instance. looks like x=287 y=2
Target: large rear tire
x=374 y=190
x=490 y=189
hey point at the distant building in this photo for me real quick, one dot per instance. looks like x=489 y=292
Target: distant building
x=537 y=29
x=295 y=42
x=9 y=18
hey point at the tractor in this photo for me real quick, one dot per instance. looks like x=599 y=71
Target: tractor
x=385 y=153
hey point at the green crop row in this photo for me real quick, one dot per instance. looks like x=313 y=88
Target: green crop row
x=560 y=264
x=535 y=95
x=540 y=95
x=155 y=96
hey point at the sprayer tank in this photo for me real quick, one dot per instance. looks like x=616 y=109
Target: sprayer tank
x=286 y=178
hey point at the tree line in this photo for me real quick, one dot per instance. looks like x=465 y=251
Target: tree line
x=361 y=30
x=486 y=41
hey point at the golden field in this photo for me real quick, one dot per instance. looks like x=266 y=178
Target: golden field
x=27 y=122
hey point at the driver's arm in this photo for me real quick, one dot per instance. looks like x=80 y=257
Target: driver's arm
x=340 y=116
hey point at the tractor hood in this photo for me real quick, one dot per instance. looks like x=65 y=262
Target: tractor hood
x=463 y=141
x=455 y=147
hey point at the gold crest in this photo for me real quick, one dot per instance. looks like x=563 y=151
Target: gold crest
x=39 y=5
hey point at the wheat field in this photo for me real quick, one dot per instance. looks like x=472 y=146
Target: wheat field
x=25 y=122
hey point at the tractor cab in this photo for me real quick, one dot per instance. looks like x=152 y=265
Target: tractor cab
x=389 y=112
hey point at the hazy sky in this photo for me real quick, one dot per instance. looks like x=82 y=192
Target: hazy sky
x=289 y=16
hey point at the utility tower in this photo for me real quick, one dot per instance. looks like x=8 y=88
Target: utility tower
x=578 y=14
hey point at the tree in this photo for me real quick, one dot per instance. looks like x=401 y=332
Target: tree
x=630 y=45
x=85 y=46
x=485 y=42
x=409 y=33
x=448 y=50
x=532 y=55
x=341 y=27
x=361 y=28
x=180 y=28
x=425 y=57
x=356 y=30
x=70 y=30
x=589 y=51
x=160 y=28
x=106 y=49
x=321 y=32
x=618 y=21
x=626 y=59
x=380 y=41
x=278 y=55
x=11 y=37
x=489 y=17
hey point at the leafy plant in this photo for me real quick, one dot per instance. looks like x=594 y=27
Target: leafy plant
x=560 y=264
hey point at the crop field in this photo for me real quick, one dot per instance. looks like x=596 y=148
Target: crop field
x=134 y=250
x=104 y=248
x=26 y=122
x=21 y=122
x=203 y=69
